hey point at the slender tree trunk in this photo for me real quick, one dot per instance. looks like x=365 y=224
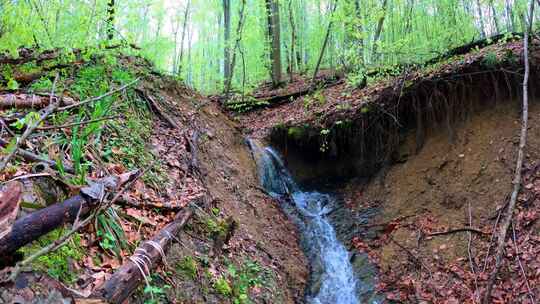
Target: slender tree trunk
x=239 y=29
x=325 y=43
x=272 y=9
x=184 y=30
x=378 y=31
x=495 y=19
x=481 y=19
x=510 y=24
x=227 y=43
x=293 y=54
x=110 y=19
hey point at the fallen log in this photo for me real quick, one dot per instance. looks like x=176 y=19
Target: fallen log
x=40 y=222
x=128 y=277
x=23 y=101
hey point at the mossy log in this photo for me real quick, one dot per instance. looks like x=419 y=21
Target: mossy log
x=128 y=277
x=40 y=222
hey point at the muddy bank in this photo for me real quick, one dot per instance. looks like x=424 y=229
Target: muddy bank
x=263 y=246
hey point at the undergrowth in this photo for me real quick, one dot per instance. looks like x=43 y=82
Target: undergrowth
x=57 y=263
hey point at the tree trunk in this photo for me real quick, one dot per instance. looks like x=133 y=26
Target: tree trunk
x=184 y=30
x=239 y=29
x=110 y=19
x=227 y=42
x=378 y=31
x=325 y=43
x=128 y=277
x=274 y=30
x=495 y=19
x=293 y=54
x=481 y=19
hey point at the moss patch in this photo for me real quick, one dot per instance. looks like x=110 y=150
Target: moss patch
x=57 y=263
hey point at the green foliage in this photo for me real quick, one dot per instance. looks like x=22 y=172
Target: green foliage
x=29 y=119
x=490 y=60
x=222 y=287
x=158 y=294
x=56 y=263
x=245 y=104
x=296 y=133
x=215 y=227
x=110 y=231
x=412 y=32
x=188 y=266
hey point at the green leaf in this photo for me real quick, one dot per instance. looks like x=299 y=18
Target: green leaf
x=13 y=84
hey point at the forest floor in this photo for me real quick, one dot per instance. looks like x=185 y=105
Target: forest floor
x=237 y=246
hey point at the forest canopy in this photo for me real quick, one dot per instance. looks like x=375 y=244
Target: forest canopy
x=207 y=42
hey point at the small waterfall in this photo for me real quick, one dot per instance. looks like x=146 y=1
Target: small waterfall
x=333 y=279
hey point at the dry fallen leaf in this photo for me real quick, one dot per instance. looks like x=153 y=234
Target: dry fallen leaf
x=10 y=198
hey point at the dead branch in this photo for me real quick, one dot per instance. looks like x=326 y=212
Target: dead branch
x=69 y=125
x=50 y=109
x=93 y=99
x=24 y=101
x=451 y=231
x=519 y=163
x=128 y=277
x=29 y=156
x=156 y=107
x=521 y=268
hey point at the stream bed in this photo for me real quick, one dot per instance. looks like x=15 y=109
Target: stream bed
x=333 y=278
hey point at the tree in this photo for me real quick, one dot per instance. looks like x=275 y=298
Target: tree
x=274 y=33
x=325 y=43
x=481 y=19
x=184 y=30
x=239 y=29
x=227 y=41
x=294 y=54
x=378 y=31
x=110 y=19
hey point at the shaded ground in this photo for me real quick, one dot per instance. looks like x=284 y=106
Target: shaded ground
x=431 y=191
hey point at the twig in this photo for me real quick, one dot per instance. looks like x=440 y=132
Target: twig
x=529 y=291
x=36 y=158
x=491 y=239
x=519 y=164
x=48 y=110
x=89 y=100
x=27 y=176
x=471 y=261
x=451 y=231
x=6 y=127
x=79 y=123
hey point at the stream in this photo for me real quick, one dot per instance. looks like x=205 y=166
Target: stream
x=332 y=275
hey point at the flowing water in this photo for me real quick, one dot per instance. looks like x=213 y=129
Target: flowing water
x=333 y=278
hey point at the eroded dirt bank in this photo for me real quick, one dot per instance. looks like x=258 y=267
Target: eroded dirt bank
x=432 y=152
x=263 y=235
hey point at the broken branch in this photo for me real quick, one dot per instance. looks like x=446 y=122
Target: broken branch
x=93 y=99
x=519 y=164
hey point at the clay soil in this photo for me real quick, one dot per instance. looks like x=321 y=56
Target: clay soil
x=432 y=191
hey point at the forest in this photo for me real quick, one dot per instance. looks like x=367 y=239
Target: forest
x=269 y=151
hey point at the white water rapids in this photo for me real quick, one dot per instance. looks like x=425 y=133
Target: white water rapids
x=336 y=282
